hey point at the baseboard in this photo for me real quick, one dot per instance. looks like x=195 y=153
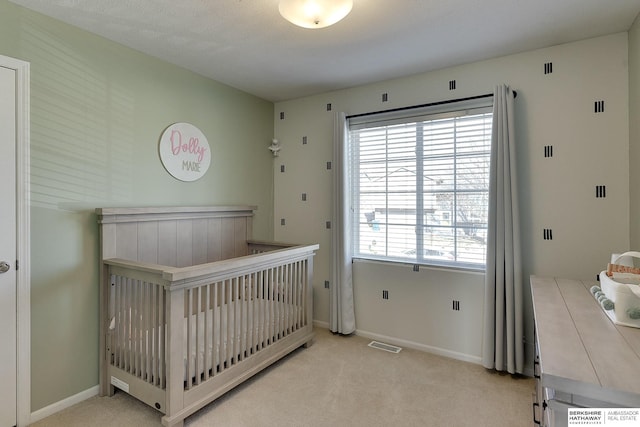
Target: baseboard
x=321 y=324
x=410 y=344
x=422 y=347
x=63 y=404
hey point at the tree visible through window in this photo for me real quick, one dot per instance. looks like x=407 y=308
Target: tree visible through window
x=420 y=185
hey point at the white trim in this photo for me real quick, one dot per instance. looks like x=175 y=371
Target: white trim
x=47 y=411
x=23 y=303
x=422 y=347
x=410 y=344
x=321 y=324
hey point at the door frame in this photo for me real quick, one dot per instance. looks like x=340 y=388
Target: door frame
x=23 y=229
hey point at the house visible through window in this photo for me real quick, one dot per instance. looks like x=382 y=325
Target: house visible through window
x=420 y=183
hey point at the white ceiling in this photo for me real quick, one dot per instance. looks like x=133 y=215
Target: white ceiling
x=248 y=45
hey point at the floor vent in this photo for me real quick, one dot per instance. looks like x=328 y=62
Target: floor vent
x=386 y=347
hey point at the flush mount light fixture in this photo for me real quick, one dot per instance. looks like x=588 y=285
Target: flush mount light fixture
x=314 y=13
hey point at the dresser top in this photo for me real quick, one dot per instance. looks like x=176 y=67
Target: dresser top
x=581 y=350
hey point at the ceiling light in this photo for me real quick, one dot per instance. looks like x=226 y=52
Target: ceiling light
x=314 y=13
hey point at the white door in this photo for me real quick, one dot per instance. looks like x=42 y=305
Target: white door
x=8 y=343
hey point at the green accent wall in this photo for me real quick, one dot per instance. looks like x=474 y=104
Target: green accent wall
x=97 y=112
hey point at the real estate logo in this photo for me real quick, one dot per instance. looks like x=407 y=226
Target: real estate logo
x=184 y=151
x=618 y=417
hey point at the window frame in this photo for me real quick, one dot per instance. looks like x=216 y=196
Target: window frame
x=482 y=104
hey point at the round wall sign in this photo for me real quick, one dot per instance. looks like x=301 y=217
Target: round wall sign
x=184 y=151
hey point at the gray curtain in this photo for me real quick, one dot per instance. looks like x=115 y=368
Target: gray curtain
x=341 y=313
x=503 y=347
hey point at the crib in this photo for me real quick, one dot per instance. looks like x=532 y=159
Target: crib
x=190 y=306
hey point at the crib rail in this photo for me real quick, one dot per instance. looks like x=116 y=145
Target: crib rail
x=192 y=323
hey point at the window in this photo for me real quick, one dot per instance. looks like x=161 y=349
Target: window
x=420 y=183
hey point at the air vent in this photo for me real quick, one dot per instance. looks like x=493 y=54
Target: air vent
x=304 y=140
x=385 y=97
x=548 y=67
x=452 y=84
x=548 y=150
x=328 y=107
x=386 y=347
x=547 y=234
x=601 y=191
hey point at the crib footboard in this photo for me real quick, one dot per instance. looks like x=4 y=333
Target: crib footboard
x=178 y=338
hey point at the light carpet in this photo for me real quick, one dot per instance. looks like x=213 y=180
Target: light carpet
x=340 y=381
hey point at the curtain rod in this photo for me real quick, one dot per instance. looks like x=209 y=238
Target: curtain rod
x=430 y=104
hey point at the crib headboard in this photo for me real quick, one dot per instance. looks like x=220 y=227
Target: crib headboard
x=175 y=236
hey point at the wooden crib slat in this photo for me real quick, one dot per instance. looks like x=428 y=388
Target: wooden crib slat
x=127 y=326
x=217 y=315
x=145 y=328
x=295 y=287
x=252 y=310
x=198 y=344
x=188 y=341
x=231 y=312
x=299 y=291
x=261 y=311
x=207 y=332
x=241 y=318
x=279 y=301
x=161 y=354
x=137 y=333
x=289 y=300
x=224 y=335
x=152 y=330
x=286 y=303
x=269 y=308
x=237 y=313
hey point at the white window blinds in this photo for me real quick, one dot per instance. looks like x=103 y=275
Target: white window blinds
x=420 y=182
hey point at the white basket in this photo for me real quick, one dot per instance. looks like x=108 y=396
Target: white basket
x=623 y=290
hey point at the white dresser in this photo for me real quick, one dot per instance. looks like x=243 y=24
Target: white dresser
x=582 y=358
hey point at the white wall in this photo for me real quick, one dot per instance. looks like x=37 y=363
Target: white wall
x=634 y=131
x=556 y=109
